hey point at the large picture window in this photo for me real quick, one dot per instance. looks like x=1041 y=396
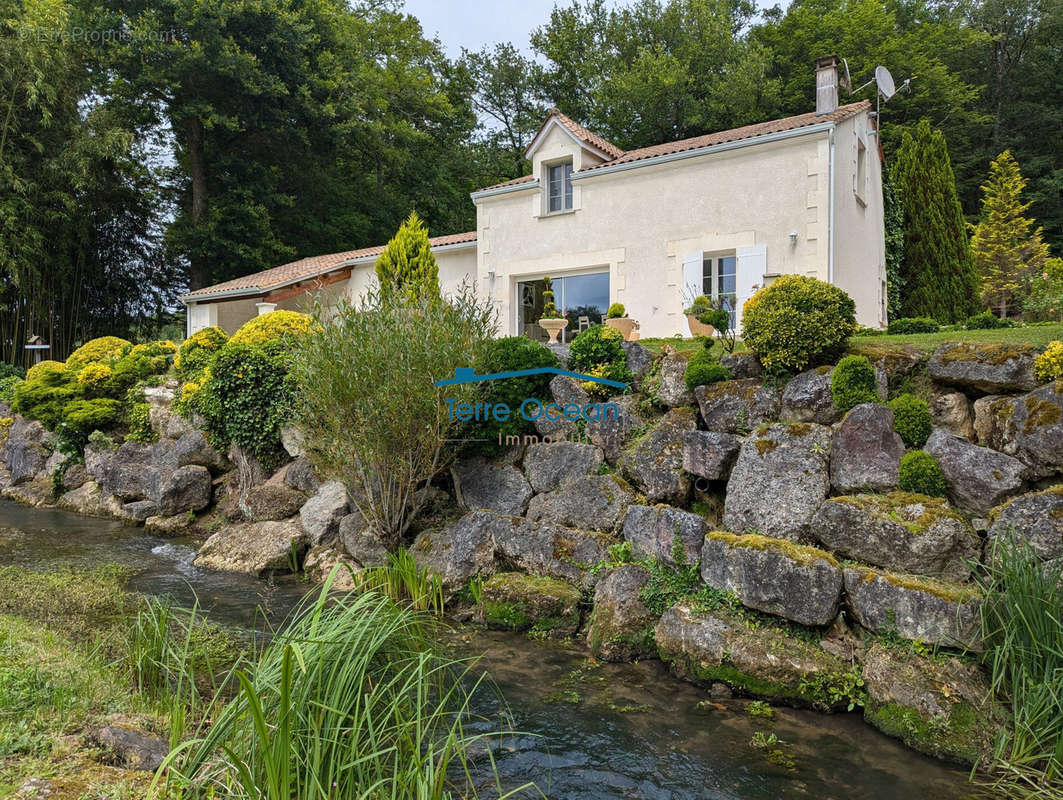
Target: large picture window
x=559 y=187
x=720 y=282
x=581 y=299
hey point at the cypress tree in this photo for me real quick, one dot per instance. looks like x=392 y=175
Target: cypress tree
x=407 y=264
x=1007 y=249
x=893 y=216
x=939 y=277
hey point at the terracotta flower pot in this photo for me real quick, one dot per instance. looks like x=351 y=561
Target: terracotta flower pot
x=626 y=325
x=699 y=328
x=553 y=327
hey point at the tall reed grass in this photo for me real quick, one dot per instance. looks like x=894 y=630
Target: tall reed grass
x=1022 y=625
x=349 y=701
x=405 y=583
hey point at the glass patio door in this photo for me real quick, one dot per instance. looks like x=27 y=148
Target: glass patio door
x=581 y=299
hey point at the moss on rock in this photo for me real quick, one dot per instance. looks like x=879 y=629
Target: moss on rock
x=518 y=602
x=798 y=553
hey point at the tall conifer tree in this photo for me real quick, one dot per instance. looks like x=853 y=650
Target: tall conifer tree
x=939 y=276
x=407 y=264
x=1006 y=247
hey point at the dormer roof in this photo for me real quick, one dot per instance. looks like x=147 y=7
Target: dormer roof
x=587 y=139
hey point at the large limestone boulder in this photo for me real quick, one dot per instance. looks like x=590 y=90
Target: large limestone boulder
x=543 y=606
x=865 y=452
x=1038 y=425
x=273 y=501
x=924 y=609
x=655 y=531
x=779 y=481
x=614 y=430
x=24 y=459
x=89 y=500
x=480 y=483
x=984 y=367
x=709 y=454
x=139 y=510
x=552 y=464
x=899 y=531
x=807 y=398
x=564 y=390
x=593 y=502
x=737 y=406
x=655 y=462
x=778 y=577
x=254 y=547
x=978 y=478
x=938 y=706
x=544 y=548
x=743 y=365
x=762 y=660
x=639 y=360
x=159 y=400
x=321 y=514
x=621 y=626
x=192 y=449
x=324 y=562
x=182 y=490
x=361 y=542
x=461 y=550
x=952 y=411
x=300 y=476
x=993 y=426
x=672 y=389
x=1036 y=518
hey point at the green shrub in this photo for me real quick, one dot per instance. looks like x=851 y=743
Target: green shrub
x=7 y=388
x=907 y=325
x=599 y=351
x=407 y=264
x=103 y=349
x=797 y=321
x=11 y=371
x=702 y=368
x=138 y=418
x=853 y=382
x=616 y=311
x=85 y=416
x=698 y=306
x=247 y=398
x=367 y=406
x=128 y=370
x=920 y=473
x=44 y=394
x=1047 y=367
x=509 y=355
x=273 y=327
x=198 y=350
x=987 y=321
x=911 y=419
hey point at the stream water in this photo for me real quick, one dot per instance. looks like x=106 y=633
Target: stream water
x=593 y=730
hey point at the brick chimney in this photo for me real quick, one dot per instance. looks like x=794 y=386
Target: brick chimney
x=826 y=84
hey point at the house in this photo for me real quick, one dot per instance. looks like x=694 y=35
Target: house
x=722 y=214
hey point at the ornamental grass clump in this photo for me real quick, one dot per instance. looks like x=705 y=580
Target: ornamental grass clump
x=350 y=700
x=367 y=406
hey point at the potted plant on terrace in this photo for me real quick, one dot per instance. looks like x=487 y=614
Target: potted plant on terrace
x=700 y=306
x=551 y=321
x=616 y=317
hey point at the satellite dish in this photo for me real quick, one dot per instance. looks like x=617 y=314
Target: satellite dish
x=884 y=82
x=844 y=80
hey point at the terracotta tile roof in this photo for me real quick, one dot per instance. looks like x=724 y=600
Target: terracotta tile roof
x=584 y=135
x=735 y=134
x=312 y=267
x=683 y=145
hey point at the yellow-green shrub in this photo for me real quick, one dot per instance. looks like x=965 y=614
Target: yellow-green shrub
x=94 y=378
x=272 y=327
x=1049 y=365
x=85 y=416
x=198 y=349
x=44 y=394
x=40 y=370
x=797 y=321
x=105 y=348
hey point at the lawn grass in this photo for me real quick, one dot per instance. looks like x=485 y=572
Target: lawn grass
x=872 y=346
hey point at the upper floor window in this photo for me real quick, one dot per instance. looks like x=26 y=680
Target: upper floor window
x=559 y=187
x=860 y=184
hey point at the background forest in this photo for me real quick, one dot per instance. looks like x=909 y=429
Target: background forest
x=149 y=146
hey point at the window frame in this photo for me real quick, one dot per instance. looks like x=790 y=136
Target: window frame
x=565 y=192
x=714 y=260
x=860 y=177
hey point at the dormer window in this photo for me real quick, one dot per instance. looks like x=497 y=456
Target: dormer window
x=559 y=187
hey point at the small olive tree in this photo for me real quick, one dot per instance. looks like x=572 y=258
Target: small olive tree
x=367 y=404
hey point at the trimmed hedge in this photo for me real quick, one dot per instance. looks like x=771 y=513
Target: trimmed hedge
x=907 y=325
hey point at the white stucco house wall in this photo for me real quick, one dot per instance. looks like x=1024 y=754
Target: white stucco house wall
x=722 y=214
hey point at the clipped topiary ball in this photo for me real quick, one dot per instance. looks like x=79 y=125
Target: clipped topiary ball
x=797 y=321
x=702 y=369
x=197 y=351
x=272 y=327
x=105 y=348
x=853 y=382
x=920 y=472
x=911 y=419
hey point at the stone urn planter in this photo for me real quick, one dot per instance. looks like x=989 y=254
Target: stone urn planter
x=626 y=326
x=553 y=326
x=699 y=328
